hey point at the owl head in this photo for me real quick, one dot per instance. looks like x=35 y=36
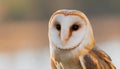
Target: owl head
x=69 y=29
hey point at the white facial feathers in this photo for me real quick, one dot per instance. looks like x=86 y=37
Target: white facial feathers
x=68 y=29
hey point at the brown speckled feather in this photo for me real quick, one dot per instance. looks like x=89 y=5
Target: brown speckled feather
x=97 y=59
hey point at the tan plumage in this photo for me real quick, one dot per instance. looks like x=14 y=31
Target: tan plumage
x=72 y=43
x=97 y=59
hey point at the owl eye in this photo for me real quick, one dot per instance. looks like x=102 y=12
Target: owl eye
x=75 y=27
x=58 y=27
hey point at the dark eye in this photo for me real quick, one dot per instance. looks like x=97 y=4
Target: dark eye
x=58 y=27
x=75 y=27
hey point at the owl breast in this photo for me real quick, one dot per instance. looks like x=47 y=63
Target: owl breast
x=63 y=60
x=68 y=64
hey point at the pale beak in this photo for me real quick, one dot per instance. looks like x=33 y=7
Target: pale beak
x=64 y=37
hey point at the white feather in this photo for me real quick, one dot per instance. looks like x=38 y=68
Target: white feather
x=66 y=22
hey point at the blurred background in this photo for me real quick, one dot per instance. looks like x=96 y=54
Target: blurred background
x=24 y=29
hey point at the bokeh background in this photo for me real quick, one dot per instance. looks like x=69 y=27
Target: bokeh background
x=24 y=29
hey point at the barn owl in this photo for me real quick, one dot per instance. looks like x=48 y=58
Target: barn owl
x=72 y=44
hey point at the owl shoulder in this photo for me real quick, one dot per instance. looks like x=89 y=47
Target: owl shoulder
x=96 y=59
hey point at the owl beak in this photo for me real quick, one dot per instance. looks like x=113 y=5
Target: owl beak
x=63 y=42
x=64 y=38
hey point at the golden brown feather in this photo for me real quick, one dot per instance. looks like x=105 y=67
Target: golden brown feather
x=97 y=59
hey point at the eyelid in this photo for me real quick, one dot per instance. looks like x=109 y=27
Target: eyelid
x=57 y=26
x=76 y=23
x=56 y=22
